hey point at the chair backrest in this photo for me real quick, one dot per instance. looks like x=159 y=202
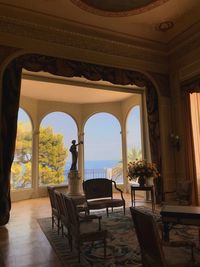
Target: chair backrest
x=51 y=197
x=184 y=191
x=148 y=238
x=59 y=203
x=97 y=188
x=72 y=215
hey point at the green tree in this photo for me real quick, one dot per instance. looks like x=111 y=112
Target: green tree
x=21 y=167
x=133 y=154
x=52 y=157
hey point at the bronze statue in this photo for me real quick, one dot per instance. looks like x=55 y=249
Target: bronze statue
x=74 y=152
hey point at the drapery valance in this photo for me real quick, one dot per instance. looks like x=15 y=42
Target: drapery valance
x=66 y=68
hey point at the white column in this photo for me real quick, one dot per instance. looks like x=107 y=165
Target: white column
x=35 y=163
x=81 y=156
x=124 y=158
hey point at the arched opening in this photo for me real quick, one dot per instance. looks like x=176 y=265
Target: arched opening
x=67 y=68
x=103 y=147
x=57 y=129
x=21 y=170
x=134 y=134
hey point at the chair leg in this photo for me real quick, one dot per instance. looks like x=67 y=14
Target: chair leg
x=107 y=212
x=58 y=226
x=62 y=229
x=104 y=243
x=70 y=242
x=124 y=209
x=79 y=252
x=52 y=221
x=199 y=236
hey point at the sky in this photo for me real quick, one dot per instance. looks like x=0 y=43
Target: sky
x=102 y=139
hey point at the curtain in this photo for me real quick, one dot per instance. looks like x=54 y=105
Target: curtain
x=9 y=111
x=66 y=68
x=195 y=115
x=188 y=87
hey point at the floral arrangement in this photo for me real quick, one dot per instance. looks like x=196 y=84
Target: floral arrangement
x=140 y=168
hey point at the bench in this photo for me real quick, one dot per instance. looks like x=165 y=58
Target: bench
x=99 y=194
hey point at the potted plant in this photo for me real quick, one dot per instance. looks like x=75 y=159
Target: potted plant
x=141 y=170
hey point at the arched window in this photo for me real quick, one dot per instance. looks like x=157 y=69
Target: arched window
x=21 y=171
x=57 y=130
x=134 y=137
x=103 y=148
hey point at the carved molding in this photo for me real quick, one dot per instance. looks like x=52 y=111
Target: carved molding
x=162 y=82
x=6 y=51
x=65 y=37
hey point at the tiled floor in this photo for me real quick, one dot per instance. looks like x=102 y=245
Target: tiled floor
x=22 y=243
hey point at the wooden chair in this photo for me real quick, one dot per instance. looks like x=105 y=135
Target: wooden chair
x=153 y=249
x=99 y=194
x=55 y=214
x=83 y=230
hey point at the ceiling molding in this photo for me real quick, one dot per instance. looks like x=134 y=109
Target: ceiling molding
x=128 y=48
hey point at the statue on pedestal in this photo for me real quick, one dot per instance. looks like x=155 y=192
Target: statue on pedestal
x=74 y=152
x=73 y=176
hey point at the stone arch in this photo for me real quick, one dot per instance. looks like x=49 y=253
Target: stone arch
x=68 y=68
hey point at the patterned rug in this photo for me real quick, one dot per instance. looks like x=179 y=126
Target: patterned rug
x=122 y=245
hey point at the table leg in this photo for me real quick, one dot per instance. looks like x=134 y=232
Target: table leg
x=132 y=197
x=166 y=231
x=152 y=200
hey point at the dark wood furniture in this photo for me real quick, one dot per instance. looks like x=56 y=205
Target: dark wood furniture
x=178 y=215
x=145 y=188
x=99 y=194
x=83 y=229
x=55 y=213
x=153 y=249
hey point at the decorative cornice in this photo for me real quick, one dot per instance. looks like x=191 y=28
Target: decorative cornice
x=64 y=37
x=188 y=39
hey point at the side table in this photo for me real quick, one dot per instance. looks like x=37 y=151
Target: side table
x=143 y=188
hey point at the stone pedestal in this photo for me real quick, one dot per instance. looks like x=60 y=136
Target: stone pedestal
x=74 y=182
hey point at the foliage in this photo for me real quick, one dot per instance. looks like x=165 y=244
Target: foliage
x=52 y=157
x=139 y=168
x=133 y=154
x=21 y=167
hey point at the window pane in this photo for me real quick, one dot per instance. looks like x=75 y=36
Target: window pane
x=134 y=143
x=57 y=130
x=102 y=148
x=22 y=164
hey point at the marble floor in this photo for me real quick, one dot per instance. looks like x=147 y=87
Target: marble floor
x=22 y=243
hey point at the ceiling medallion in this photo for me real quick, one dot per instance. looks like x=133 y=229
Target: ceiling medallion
x=117 y=8
x=164 y=26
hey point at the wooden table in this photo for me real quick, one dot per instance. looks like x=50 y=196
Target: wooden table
x=179 y=215
x=143 y=188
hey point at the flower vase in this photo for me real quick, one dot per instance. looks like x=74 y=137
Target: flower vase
x=142 y=180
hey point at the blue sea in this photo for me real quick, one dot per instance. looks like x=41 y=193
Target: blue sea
x=97 y=164
x=96 y=169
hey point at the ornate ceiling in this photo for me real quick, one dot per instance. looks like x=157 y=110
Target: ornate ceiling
x=148 y=20
x=117 y=8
